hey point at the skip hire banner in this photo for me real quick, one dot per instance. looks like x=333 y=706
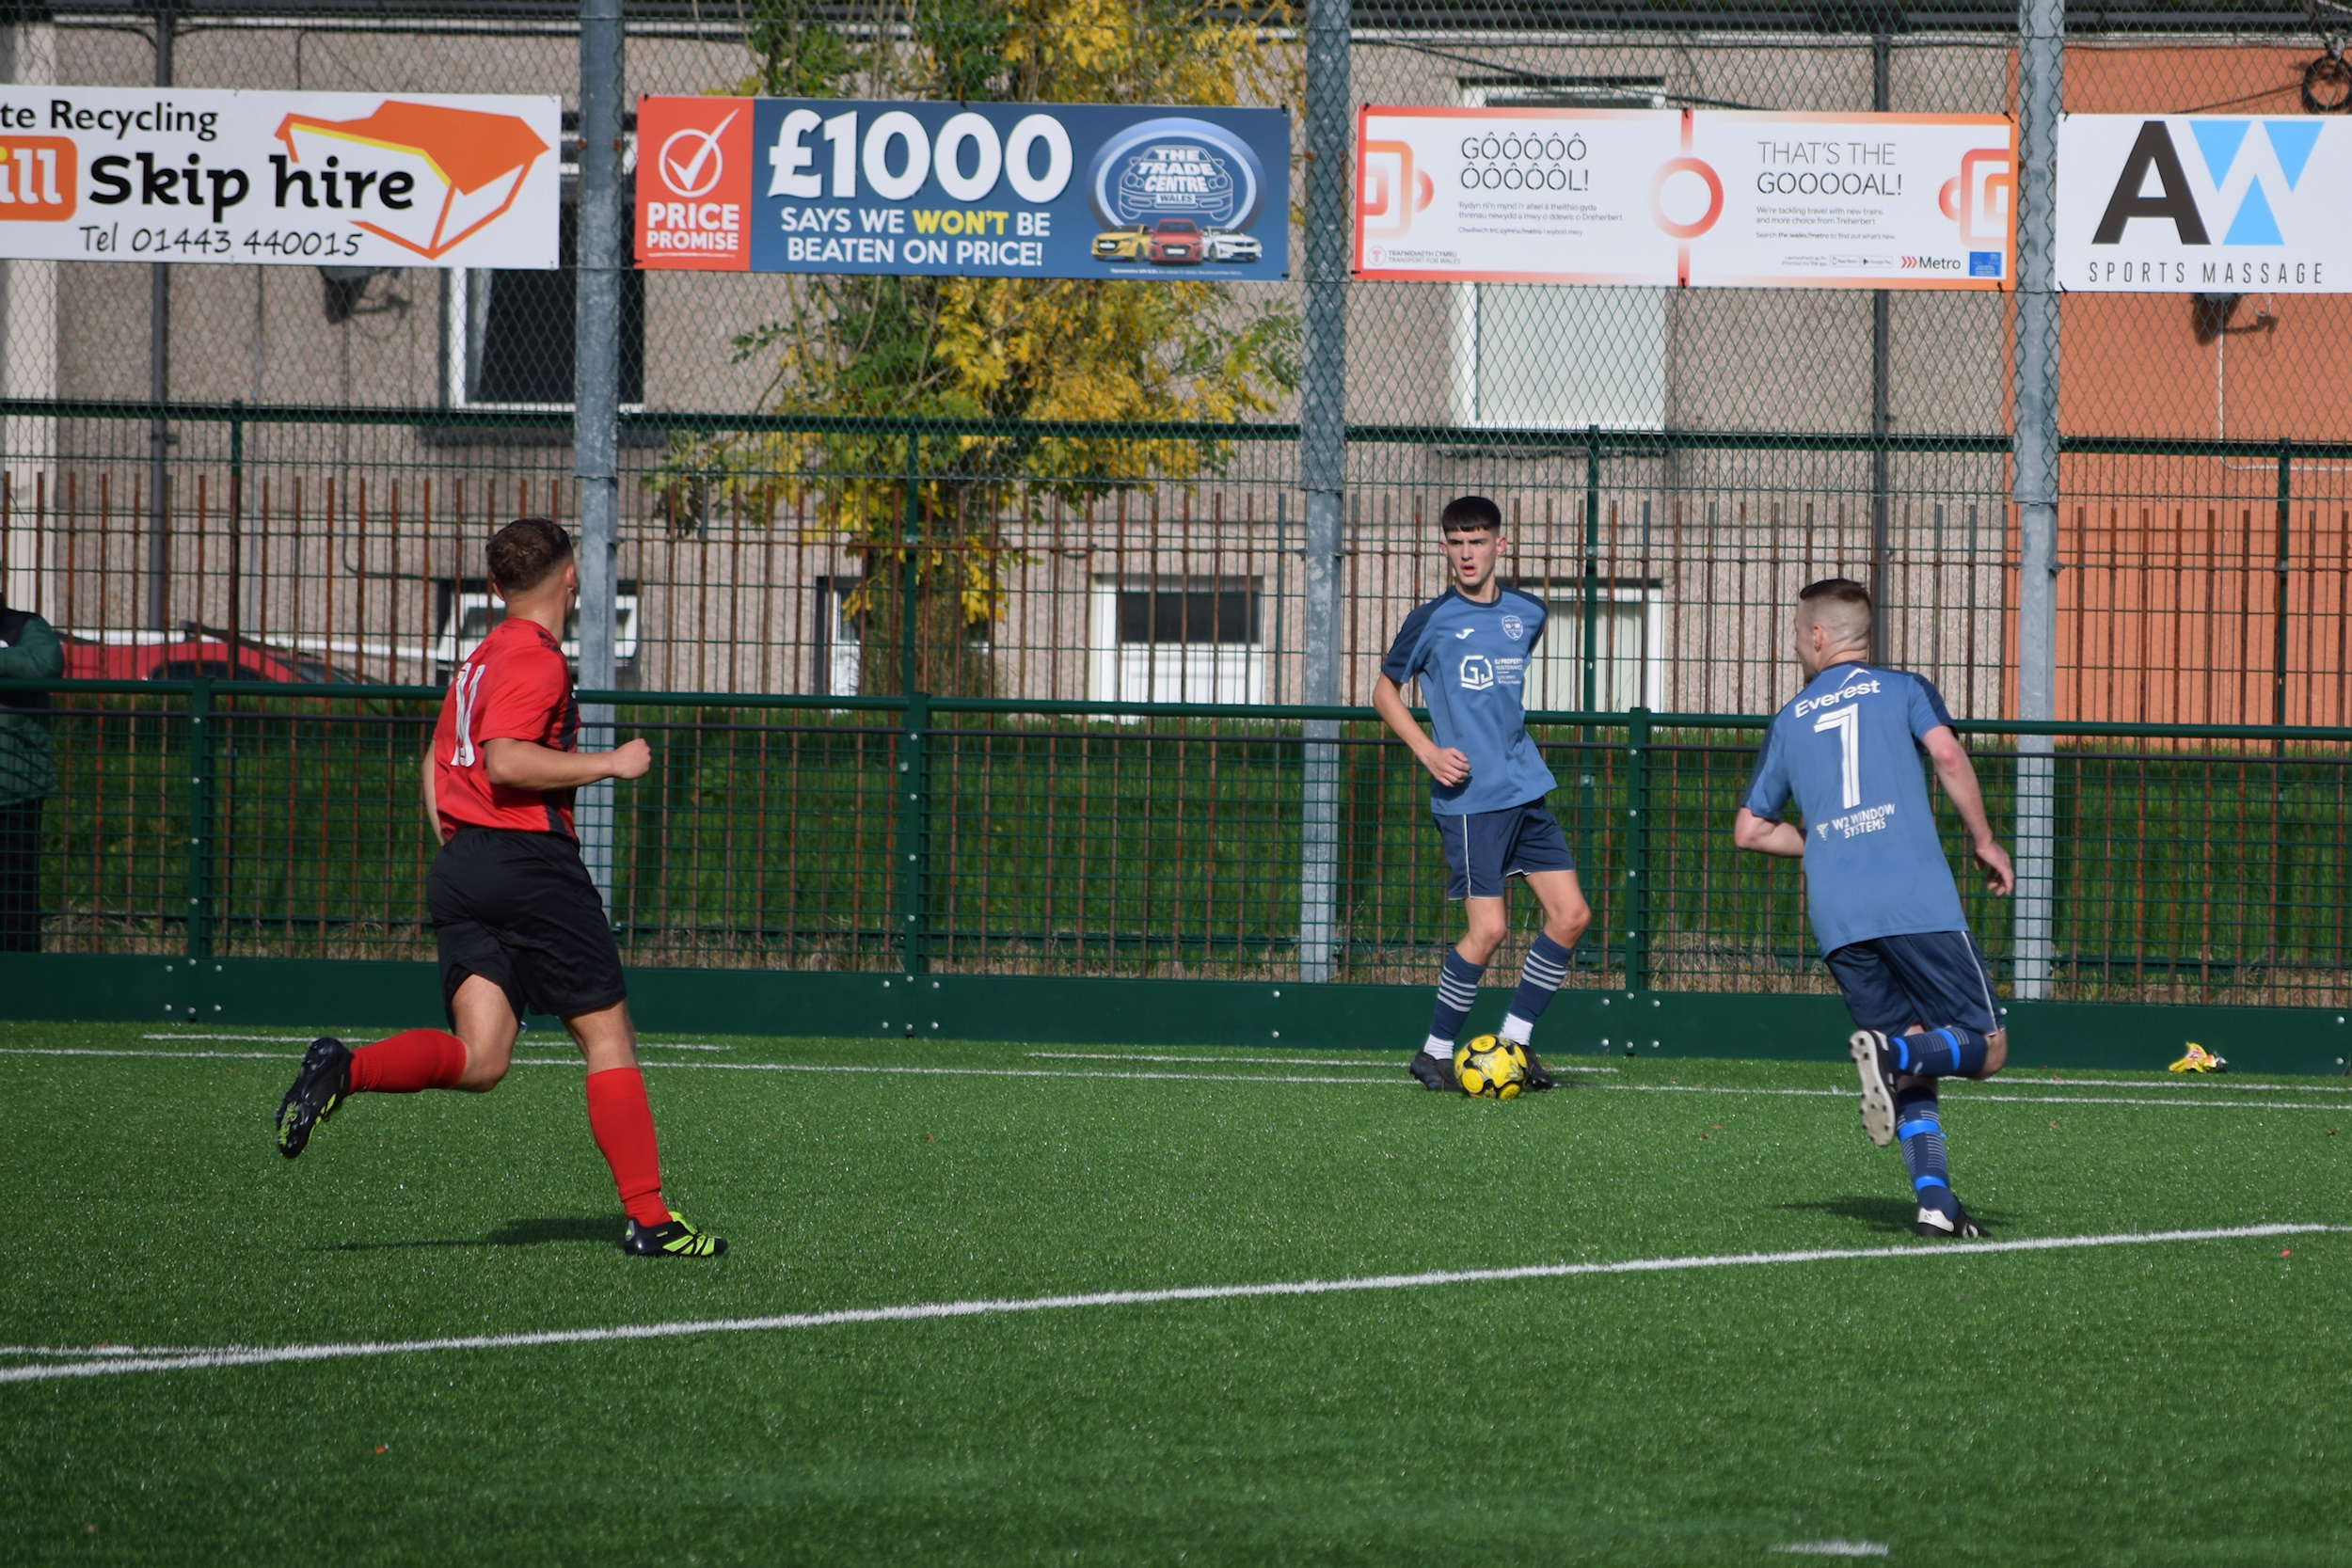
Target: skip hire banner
x=954 y=190
x=2204 y=203
x=1697 y=198
x=129 y=174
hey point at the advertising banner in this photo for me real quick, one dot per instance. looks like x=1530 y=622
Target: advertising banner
x=957 y=190
x=2204 y=203
x=338 y=179
x=1686 y=197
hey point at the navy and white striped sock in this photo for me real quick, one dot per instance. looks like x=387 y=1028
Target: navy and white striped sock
x=1540 y=974
x=1457 y=987
x=1919 y=1123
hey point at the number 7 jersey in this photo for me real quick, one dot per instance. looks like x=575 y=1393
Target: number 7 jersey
x=1848 y=750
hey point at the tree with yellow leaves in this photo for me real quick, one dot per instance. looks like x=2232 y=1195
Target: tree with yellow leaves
x=1020 y=350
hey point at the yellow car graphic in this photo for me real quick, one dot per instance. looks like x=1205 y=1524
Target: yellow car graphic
x=1122 y=244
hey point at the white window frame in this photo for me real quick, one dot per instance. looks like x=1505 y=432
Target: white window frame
x=1204 y=672
x=1564 y=602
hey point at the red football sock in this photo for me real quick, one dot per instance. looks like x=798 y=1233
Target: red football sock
x=623 y=1125
x=411 y=1060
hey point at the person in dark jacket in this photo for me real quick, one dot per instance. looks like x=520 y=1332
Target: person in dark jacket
x=29 y=650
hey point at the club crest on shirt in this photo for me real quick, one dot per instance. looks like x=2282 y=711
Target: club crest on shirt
x=1513 y=627
x=1478 y=673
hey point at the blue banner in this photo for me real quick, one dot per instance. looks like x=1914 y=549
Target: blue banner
x=979 y=190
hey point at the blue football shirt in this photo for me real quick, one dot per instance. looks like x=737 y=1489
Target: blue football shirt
x=1472 y=659
x=1847 y=749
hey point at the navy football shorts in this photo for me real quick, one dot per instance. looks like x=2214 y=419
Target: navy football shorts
x=518 y=908
x=1931 y=979
x=1482 y=848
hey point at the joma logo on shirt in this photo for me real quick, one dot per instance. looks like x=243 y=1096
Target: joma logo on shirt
x=1478 y=673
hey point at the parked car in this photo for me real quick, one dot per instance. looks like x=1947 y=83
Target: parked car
x=1231 y=244
x=1122 y=244
x=1175 y=243
x=202 y=656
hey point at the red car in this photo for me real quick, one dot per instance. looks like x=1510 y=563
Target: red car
x=187 y=658
x=1175 y=241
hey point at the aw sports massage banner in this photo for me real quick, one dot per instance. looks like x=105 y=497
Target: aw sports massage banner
x=2208 y=203
x=979 y=190
x=129 y=174
x=1686 y=197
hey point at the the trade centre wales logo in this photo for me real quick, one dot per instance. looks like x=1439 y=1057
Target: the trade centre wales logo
x=1176 y=167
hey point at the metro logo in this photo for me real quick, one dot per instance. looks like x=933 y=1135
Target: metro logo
x=694 y=183
x=429 y=176
x=38 y=181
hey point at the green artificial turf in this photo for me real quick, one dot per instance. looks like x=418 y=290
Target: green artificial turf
x=2171 y=1403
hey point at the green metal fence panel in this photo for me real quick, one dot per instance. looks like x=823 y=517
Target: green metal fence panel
x=968 y=836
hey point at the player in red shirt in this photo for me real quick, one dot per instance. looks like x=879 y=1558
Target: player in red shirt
x=519 y=925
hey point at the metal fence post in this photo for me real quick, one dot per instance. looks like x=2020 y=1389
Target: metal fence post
x=1882 y=642
x=597 y=405
x=914 y=808
x=201 y=827
x=159 y=384
x=1636 y=920
x=2040 y=63
x=1323 y=471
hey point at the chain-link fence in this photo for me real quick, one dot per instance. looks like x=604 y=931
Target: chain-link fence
x=851 y=490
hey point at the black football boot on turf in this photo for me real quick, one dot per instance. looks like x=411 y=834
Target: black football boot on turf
x=1537 y=1079
x=1933 y=1224
x=676 y=1238
x=321 y=1084
x=1874 y=1059
x=1432 y=1073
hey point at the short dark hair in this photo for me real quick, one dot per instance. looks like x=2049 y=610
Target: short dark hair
x=523 y=552
x=1841 y=604
x=1837 y=591
x=1467 y=513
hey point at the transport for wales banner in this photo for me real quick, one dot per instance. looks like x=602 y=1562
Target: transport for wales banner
x=2204 y=203
x=1687 y=197
x=961 y=190
x=343 y=179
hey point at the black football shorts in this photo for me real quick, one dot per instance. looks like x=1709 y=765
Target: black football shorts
x=518 y=908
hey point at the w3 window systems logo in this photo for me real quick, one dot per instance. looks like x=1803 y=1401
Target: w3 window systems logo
x=2156 y=187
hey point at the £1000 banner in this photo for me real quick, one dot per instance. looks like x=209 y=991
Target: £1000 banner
x=981 y=190
x=409 y=179
x=1685 y=198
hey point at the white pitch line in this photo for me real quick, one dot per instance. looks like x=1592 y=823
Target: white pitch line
x=2234 y=1085
x=1380 y=1063
x=1973 y=1094
x=254 y=1355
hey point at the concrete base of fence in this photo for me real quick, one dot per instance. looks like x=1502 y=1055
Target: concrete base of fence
x=293 y=994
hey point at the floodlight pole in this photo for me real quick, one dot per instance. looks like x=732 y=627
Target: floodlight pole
x=159 y=387
x=1322 y=467
x=2041 y=62
x=596 y=403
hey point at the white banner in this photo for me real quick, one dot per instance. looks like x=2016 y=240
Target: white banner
x=2204 y=203
x=1686 y=197
x=339 y=179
